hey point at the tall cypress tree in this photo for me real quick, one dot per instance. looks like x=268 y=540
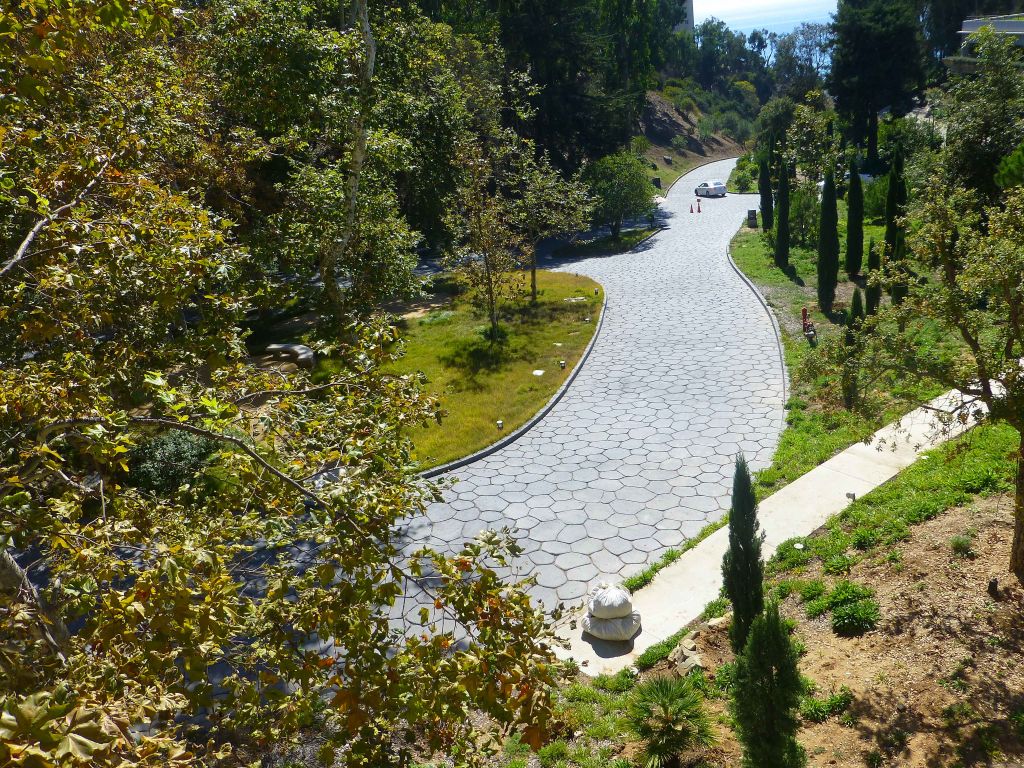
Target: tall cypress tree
x=895 y=235
x=857 y=313
x=854 y=223
x=782 y=219
x=742 y=568
x=766 y=695
x=828 y=246
x=764 y=186
x=874 y=292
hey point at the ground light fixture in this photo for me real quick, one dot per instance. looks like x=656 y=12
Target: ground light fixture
x=500 y=424
x=561 y=364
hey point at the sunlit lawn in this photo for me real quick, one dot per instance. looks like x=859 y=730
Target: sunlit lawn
x=479 y=382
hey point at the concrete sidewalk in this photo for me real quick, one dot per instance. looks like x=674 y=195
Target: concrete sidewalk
x=680 y=592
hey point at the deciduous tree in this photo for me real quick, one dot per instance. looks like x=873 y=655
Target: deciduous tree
x=621 y=189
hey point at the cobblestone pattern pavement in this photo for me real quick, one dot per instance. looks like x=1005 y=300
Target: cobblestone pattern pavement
x=637 y=457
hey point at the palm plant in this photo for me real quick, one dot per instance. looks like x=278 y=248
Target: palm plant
x=667 y=713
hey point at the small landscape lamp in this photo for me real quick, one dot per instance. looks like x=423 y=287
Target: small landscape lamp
x=595 y=291
x=561 y=364
x=500 y=423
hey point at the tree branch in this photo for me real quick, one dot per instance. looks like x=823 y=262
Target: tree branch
x=56 y=213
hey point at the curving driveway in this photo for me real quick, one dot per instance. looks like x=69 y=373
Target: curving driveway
x=637 y=457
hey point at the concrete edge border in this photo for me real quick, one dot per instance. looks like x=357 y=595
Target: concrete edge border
x=775 y=324
x=531 y=423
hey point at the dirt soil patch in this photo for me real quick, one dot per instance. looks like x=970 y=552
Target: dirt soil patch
x=940 y=682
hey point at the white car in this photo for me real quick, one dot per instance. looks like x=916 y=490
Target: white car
x=713 y=188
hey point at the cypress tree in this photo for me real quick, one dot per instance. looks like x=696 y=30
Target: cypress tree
x=854 y=223
x=857 y=313
x=782 y=220
x=851 y=366
x=764 y=186
x=874 y=292
x=742 y=568
x=828 y=246
x=766 y=695
x=895 y=236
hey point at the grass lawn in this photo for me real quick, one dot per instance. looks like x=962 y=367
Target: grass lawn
x=607 y=245
x=479 y=382
x=818 y=426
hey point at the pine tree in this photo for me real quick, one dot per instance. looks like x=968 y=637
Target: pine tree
x=742 y=568
x=874 y=292
x=854 y=223
x=764 y=186
x=828 y=246
x=782 y=220
x=766 y=695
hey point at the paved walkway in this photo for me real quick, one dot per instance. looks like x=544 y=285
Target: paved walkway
x=637 y=457
x=679 y=593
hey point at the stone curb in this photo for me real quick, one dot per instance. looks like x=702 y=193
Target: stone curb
x=512 y=437
x=775 y=325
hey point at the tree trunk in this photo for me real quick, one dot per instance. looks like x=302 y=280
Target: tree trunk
x=616 y=230
x=1017 y=549
x=329 y=256
x=533 y=275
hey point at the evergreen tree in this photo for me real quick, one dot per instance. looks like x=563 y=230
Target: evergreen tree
x=782 y=220
x=828 y=246
x=854 y=223
x=766 y=695
x=764 y=186
x=851 y=365
x=742 y=568
x=877 y=62
x=857 y=313
x=874 y=292
x=895 y=234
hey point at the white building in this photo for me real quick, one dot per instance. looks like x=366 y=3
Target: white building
x=687 y=23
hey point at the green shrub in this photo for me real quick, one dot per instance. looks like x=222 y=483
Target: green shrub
x=1017 y=723
x=847 y=592
x=166 y=462
x=874 y=759
x=855 y=618
x=962 y=545
x=715 y=609
x=551 y=753
x=812 y=590
x=816 y=607
x=659 y=651
x=620 y=682
x=667 y=714
x=816 y=710
x=788 y=558
x=865 y=538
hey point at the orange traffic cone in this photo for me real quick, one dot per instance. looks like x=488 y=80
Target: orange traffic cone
x=698 y=207
x=691 y=207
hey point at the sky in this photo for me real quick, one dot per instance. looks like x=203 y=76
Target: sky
x=773 y=15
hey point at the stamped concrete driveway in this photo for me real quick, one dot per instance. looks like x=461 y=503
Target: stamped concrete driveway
x=637 y=456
